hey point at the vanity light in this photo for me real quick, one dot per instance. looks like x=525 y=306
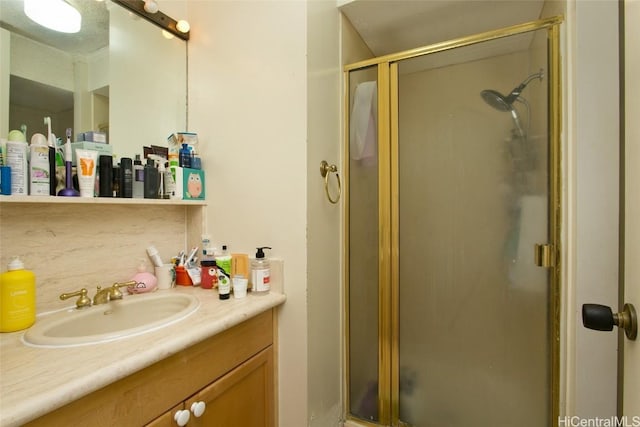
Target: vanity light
x=150 y=6
x=167 y=35
x=183 y=26
x=167 y=23
x=56 y=15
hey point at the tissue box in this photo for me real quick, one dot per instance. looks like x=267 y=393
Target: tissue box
x=92 y=136
x=190 y=183
x=102 y=149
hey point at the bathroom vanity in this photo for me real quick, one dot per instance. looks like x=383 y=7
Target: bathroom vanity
x=218 y=363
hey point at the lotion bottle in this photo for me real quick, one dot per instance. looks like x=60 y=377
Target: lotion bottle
x=223 y=261
x=39 y=178
x=16 y=159
x=260 y=273
x=17 y=297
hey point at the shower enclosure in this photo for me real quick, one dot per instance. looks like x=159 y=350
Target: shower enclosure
x=452 y=232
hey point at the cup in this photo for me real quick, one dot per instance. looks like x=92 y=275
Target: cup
x=166 y=276
x=239 y=286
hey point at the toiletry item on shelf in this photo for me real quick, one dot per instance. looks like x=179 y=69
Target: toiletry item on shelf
x=116 y=180
x=126 y=178
x=145 y=281
x=106 y=176
x=159 y=163
x=39 y=166
x=17 y=297
x=224 y=285
x=208 y=274
x=240 y=286
x=150 y=180
x=16 y=159
x=185 y=156
x=260 y=273
x=169 y=182
x=105 y=149
x=154 y=256
x=5 y=180
x=68 y=191
x=51 y=143
x=223 y=260
x=86 y=171
x=190 y=183
x=207 y=248
x=138 y=178
x=166 y=276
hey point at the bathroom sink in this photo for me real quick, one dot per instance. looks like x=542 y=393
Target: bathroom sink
x=132 y=315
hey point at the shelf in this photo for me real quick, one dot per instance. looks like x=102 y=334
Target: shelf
x=50 y=200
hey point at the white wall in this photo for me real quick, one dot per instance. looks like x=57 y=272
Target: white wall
x=324 y=304
x=248 y=104
x=592 y=159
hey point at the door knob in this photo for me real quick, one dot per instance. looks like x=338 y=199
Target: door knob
x=601 y=318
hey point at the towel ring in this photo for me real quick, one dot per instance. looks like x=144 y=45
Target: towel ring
x=325 y=170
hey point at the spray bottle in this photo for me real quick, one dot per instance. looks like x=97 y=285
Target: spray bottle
x=163 y=187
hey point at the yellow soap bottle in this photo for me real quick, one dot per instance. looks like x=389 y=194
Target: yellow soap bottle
x=17 y=298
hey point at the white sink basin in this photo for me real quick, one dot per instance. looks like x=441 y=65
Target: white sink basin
x=132 y=315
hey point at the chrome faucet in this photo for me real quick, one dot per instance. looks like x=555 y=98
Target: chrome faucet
x=113 y=292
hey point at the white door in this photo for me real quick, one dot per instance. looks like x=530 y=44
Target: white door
x=631 y=397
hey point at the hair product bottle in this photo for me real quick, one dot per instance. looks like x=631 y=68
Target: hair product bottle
x=17 y=298
x=126 y=177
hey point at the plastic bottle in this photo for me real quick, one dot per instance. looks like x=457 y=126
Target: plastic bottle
x=17 y=161
x=126 y=177
x=260 y=273
x=209 y=274
x=17 y=297
x=150 y=180
x=39 y=179
x=138 y=178
x=223 y=261
x=185 y=156
x=224 y=285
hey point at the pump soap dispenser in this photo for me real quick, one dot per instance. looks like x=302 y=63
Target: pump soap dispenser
x=260 y=273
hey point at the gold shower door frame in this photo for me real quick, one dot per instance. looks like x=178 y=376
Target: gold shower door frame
x=388 y=213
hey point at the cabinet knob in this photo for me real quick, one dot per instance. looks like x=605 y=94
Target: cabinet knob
x=198 y=408
x=182 y=417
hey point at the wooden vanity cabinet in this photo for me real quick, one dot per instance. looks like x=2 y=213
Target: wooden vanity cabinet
x=232 y=372
x=242 y=398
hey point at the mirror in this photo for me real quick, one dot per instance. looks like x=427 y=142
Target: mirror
x=120 y=75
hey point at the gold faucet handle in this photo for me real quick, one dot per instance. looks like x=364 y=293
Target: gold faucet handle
x=115 y=289
x=83 y=301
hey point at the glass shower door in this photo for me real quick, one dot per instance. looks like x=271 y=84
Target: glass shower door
x=473 y=187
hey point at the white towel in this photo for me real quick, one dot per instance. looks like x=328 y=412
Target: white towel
x=364 y=124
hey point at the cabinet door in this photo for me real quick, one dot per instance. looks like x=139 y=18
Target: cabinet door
x=242 y=398
x=167 y=419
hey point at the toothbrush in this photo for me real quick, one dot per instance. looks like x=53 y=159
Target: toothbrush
x=191 y=255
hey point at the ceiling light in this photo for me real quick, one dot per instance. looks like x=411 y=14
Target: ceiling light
x=150 y=6
x=183 y=26
x=56 y=15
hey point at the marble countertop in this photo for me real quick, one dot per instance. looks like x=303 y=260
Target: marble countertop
x=35 y=381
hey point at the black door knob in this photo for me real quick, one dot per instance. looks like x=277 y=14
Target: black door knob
x=602 y=318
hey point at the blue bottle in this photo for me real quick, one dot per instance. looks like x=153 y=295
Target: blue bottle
x=185 y=156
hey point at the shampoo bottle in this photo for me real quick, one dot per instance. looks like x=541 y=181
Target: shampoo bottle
x=126 y=177
x=138 y=178
x=17 y=298
x=260 y=273
x=150 y=180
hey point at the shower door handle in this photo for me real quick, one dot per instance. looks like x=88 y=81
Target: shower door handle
x=602 y=318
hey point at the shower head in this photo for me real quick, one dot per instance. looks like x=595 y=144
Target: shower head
x=505 y=102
